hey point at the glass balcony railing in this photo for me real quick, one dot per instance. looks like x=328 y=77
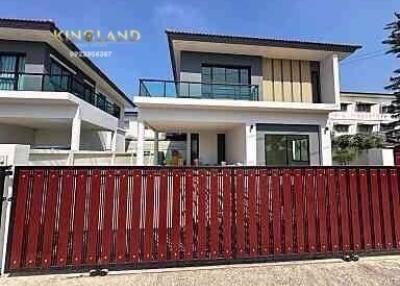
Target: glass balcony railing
x=58 y=83
x=173 y=89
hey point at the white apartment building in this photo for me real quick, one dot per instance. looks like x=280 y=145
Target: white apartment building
x=362 y=112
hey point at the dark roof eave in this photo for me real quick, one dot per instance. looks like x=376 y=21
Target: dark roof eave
x=50 y=26
x=213 y=38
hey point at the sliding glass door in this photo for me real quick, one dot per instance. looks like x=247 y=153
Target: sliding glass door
x=287 y=150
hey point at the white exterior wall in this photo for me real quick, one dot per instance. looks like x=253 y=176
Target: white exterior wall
x=208 y=147
x=329 y=73
x=236 y=145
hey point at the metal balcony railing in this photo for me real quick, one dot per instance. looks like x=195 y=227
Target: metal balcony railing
x=57 y=82
x=184 y=89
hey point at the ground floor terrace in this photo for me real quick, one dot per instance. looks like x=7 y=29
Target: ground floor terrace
x=57 y=121
x=222 y=137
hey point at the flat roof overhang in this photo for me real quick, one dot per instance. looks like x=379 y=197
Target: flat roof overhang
x=272 y=48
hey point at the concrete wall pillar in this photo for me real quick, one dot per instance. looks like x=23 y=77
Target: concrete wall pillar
x=155 y=148
x=140 y=144
x=76 y=131
x=251 y=144
x=188 y=149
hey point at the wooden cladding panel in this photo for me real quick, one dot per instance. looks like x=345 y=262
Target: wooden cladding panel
x=268 y=94
x=277 y=68
x=306 y=89
x=286 y=80
x=296 y=81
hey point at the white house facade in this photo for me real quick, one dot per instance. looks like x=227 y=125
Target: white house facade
x=50 y=99
x=245 y=100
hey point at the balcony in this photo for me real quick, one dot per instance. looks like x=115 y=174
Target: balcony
x=184 y=89
x=58 y=83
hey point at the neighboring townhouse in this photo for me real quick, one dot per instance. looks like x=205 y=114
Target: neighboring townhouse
x=242 y=100
x=51 y=99
x=362 y=112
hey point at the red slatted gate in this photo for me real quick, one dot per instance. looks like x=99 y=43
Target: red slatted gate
x=74 y=218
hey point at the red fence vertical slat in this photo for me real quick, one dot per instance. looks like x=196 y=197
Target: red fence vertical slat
x=34 y=218
x=201 y=235
x=333 y=210
x=386 y=210
x=94 y=200
x=354 y=210
x=17 y=222
x=310 y=211
x=276 y=212
x=79 y=216
x=188 y=253
x=394 y=189
x=121 y=241
x=148 y=232
x=252 y=193
x=65 y=218
x=214 y=224
x=134 y=250
x=49 y=218
x=264 y=212
x=162 y=227
x=240 y=243
x=106 y=232
x=344 y=210
x=299 y=208
x=227 y=218
x=365 y=209
x=376 y=217
x=176 y=213
x=322 y=210
x=287 y=210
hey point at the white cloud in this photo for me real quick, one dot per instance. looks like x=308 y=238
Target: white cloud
x=174 y=16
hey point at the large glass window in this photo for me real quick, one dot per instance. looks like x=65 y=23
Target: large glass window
x=10 y=67
x=363 y=107
x=287 y=150
x=59 y=79
x=223 y=81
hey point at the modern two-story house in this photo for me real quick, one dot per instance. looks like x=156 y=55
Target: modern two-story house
x=243 y=100
x=52 y=99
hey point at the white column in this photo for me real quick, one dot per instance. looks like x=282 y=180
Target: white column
x=113 y=141
x=140 y=144
x=326 y=148
x=251 y=144
x=76 y=131
x=155 y=148
x=188 y=149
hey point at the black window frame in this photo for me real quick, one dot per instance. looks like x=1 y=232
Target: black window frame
x=315 y=81
x=303 y=162
x=221 y=147
x=238 y=67
x=16 y=68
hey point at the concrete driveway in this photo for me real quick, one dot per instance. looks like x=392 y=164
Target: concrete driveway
x=383 y=270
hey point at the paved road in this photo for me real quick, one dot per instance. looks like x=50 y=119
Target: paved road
x=384 y=270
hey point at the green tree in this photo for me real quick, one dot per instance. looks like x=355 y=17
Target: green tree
x=346 y=148
x=393 y=41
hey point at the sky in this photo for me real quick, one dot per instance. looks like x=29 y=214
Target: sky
x=359 y=22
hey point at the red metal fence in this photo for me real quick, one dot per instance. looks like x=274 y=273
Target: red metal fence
x=78 y=217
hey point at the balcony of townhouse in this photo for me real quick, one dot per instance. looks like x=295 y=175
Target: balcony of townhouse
x=50 y=111
x=242 y=97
